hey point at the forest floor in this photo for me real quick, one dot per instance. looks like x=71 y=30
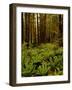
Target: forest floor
x=43 y=60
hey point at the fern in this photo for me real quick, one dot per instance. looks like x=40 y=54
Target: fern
x=45 y=59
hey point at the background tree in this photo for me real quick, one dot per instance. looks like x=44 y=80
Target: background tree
x=40 y=28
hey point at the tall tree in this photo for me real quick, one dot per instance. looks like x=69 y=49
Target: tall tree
x=38 y=27
x=27 y=20
x=42 y=27
x=61 y=30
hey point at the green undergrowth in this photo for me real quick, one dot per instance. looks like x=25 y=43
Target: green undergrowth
x=43 y=60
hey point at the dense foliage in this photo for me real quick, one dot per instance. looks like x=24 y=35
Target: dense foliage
x=42 y=44
x=44 y=59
